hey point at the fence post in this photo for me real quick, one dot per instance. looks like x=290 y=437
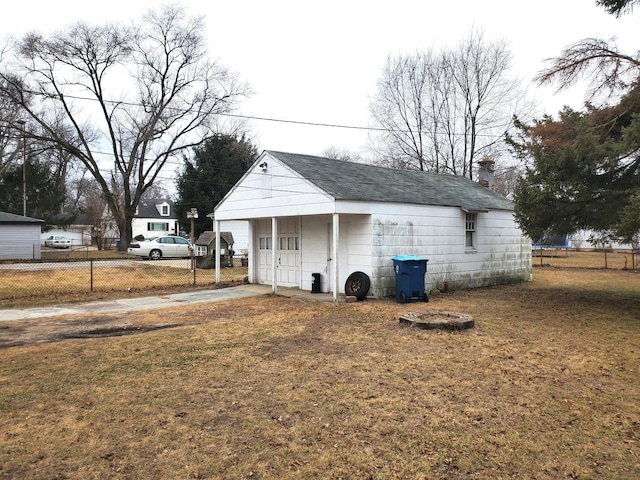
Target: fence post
x=91 y=273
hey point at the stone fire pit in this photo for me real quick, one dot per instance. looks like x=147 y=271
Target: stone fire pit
x=437 y=319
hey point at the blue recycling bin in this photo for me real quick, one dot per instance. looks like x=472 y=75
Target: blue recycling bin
x=410 y=271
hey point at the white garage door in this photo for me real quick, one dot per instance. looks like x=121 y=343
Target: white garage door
x=287 y=252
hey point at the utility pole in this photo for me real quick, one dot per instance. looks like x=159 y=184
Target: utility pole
x=193 y=214
x=24 y=167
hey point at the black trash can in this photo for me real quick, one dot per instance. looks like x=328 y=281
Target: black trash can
x=410 y=271
x=315 y=286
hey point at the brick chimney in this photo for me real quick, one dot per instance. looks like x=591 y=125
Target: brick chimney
x=486 y=176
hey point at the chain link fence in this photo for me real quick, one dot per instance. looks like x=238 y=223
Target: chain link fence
x=63 y=274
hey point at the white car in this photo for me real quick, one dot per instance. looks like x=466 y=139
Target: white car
x=57 y=241
x=155 y=248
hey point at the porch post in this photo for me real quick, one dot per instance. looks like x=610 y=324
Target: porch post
x=252 y=256
x=336 y=262
x=274 y=246
x=217 y=253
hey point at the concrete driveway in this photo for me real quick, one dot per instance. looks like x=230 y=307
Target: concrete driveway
x=124 y=305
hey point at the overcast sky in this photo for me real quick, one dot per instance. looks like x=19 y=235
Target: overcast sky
x=318 y=62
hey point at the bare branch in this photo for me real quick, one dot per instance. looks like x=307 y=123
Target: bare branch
x=617 y=7
x=607 y=68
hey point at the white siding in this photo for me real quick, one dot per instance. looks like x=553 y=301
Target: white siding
x=315 y=257
x=240 y=231
x=278 y=192
x=502 y=254
x=354 y=249
x=20 y=241
x=139 y=227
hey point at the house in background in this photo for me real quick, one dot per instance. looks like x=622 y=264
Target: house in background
x=154 y=218
x=19 y=237
x=312 y=215
x=79 y=231
x=580 y=241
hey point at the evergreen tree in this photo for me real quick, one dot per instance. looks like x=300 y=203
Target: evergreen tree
x=585 y=172
x=207 y=177
x=45 y=191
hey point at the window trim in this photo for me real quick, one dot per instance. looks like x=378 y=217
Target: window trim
x=470 y=231
x=165 y=227
x=161 y=209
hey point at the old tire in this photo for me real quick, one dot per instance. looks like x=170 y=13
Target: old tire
x=155 y=255
x=357 y=285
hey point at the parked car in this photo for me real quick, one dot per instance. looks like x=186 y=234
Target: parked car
x=57 y=241
x=169 y=246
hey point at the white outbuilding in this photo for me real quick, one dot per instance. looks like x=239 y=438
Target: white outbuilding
x=316 y=218
x=19 y=237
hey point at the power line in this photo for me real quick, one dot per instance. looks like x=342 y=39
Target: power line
x=287 y=121
x=300 y=122
x=246 y=117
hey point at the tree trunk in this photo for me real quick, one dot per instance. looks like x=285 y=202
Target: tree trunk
x=126 y=232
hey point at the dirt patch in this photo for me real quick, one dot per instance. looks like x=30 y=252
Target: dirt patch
x=117 y=331
x=35 y=331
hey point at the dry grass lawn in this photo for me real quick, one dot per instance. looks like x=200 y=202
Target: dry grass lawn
x=546 y=386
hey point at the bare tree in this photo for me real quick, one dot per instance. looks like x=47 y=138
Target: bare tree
x=10 y=138
x=442 y=111
x=93 y=204
x=506 y=179
x=343 y=154
x=130 y=97
x=10 y=124
x=398 y=111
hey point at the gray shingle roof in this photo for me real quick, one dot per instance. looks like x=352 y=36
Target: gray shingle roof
x=12 y=218
x=355 y=181
x=208 y=237
x=147 y=208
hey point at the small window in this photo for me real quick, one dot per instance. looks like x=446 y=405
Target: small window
x=470 y=227
x=265 y=243
x=165 y=210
